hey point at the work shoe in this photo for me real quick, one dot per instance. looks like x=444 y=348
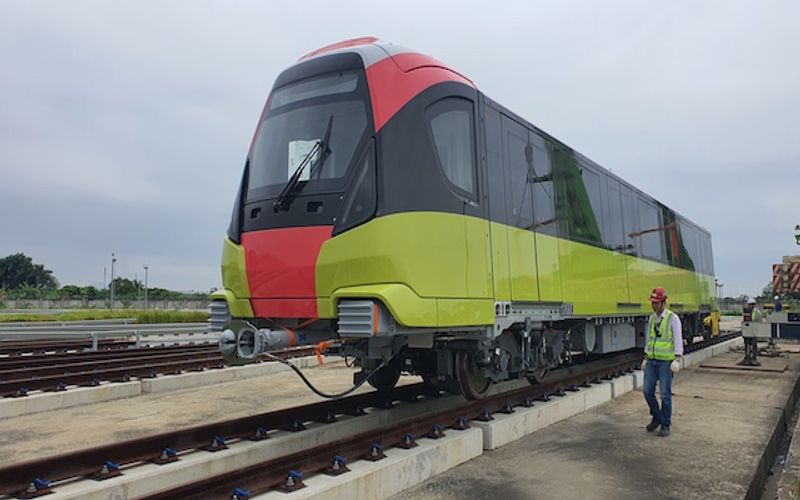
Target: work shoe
x=653 y=425
x=664 y=432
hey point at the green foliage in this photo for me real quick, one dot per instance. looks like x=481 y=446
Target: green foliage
x=19 y=270
x=145 y=317
x=160 y=316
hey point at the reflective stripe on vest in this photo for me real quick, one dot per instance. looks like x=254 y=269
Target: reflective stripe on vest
x=661 y=347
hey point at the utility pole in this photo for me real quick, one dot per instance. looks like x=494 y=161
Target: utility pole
x=145 y=285
x=113 y=265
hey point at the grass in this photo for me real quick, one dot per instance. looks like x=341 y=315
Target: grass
x=141 y=316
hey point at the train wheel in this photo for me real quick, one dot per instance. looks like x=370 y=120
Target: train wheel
x=472 y=383
x=386 y=378
x=538 y=376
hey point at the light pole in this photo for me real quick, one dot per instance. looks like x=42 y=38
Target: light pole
x=113 y=265
x=145 y=285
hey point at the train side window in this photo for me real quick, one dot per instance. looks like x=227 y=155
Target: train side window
x=651 y=231
x=591 y=180
x=515 y=156
x=542 y=179
x=629 y=221
x=690 y=257
x=494 y=164
x=614 y=222
x=451 y=126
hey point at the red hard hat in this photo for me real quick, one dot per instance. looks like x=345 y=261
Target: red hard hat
x=658 y=295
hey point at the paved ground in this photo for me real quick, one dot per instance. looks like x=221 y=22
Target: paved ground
x=722 y=421
x=31 y=436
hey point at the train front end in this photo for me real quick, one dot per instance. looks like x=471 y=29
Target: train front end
x=332 y=236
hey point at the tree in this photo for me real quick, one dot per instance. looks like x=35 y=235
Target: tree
x=125 y=288
x=18 y=270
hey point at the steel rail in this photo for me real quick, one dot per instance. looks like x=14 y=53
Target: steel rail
x=95 y=366
x=122 y=372
x=18 y=348
x=54 y=359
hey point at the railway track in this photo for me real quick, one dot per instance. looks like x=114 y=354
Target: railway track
x=57 y=372
x=20 y=347
x=38 y=477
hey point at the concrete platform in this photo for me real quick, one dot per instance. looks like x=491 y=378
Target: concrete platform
x=79 y=396
x=726 y=424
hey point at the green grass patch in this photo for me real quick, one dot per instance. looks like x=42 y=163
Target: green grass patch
x=159 y=316
x=141 y=316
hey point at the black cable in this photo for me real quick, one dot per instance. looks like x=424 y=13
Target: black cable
x=317 y=391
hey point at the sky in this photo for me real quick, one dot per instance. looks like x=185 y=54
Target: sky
x=124 y=125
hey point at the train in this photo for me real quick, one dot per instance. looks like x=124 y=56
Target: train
x=392 y=213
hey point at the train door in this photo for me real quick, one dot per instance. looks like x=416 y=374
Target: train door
x=545 y=223
x=615 y=238
x=496 y=182
x=519 y=196
x=632 y=249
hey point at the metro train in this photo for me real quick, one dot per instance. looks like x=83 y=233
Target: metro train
x=391 y=212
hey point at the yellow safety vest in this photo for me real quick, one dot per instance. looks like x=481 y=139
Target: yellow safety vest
x=661 y=347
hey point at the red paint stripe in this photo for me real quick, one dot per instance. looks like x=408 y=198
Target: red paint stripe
x=353 y=42
x=396 y=80
x=285 y=308
x=281 y=262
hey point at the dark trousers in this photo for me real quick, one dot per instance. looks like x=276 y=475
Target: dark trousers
x=658 y=371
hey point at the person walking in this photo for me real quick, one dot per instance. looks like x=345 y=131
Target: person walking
x=663 y=348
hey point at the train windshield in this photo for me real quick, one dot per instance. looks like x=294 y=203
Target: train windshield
x=300 y=117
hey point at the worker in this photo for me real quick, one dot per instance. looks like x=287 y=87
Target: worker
x=663 y=350
x=755 y=313
x=778 y=305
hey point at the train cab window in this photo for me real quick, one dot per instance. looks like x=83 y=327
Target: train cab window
x=451 y=126
x=651 y=231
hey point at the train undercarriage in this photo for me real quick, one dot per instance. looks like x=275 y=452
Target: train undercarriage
x=466 y=361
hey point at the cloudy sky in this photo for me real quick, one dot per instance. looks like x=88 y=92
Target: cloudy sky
x=124 y=125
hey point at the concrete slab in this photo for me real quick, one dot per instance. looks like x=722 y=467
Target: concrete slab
x=638 y=380
x=524 y=421
x=401 y=469
x=621 y=385
x=732 y=363
x=74 y=396
x=724 y=426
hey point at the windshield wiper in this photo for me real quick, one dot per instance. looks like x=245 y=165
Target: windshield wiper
x=282 y=202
